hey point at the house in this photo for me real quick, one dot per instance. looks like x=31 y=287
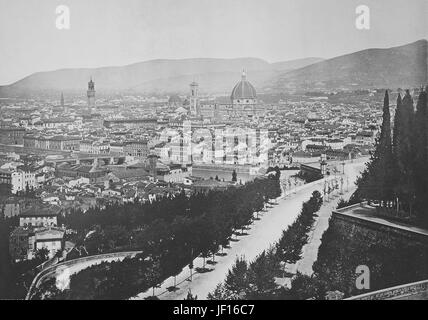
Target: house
x=39 y=215
x=19 y=180
x=25 y=241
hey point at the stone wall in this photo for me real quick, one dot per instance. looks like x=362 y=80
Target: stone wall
x=387 y=235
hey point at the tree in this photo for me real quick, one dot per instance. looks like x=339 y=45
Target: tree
x=421 y=157
x=42 y=254
x=154 y=274
x=376 y=182
x=261 y=277
x=403 y=151
x=304 y=287
x=237 y=279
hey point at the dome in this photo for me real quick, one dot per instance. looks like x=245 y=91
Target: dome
x=174 y=99
x=243 y=89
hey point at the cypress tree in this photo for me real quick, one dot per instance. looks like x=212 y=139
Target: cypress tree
x=386 y=163
x=397 y=122
x=403 y=151
x=421 y=157
x=376 y=182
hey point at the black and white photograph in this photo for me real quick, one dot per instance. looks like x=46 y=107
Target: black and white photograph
x=224 y=151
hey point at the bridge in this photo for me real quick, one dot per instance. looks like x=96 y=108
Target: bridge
x=78 y=158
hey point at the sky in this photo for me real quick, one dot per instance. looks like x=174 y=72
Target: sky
x=120 y=32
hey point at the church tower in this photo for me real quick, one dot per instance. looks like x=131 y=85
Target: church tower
x=63 y=108
x=194 y=99
x=91 y=94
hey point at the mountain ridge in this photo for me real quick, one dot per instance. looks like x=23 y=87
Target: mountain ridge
x=399 y=66
x=142 y=76
x=404 y=65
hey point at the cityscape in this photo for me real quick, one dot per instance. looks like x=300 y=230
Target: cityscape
x=217 y=178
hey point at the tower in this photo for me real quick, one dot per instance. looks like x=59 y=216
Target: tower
x=62 y=100
x=194 y=98
x=91 y=94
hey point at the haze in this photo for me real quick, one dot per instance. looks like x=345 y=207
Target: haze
x=113 y=32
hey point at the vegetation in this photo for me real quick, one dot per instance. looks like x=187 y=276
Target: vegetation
x=170 y=232
x=397 y=173
x=391 y=262
x=256 y=280
x=15 y=277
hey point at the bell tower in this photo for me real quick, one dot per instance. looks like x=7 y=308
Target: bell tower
x=91 y=94
x=194 y=98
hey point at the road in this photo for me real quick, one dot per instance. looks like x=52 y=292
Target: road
x=63 y=271
x=262 y=235
x=310 y=250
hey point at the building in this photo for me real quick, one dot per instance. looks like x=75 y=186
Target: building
x=91 y=95
x=94 y=147
x=194 y=99
x=174 y=173
x=244 y=97
x=19 y=180
x=117 y=148
x=56 y=123
x=243 y=104
x=12 y=135
x=64 y=143
x=305 y=157
x=25 y=241
x=145 y=123
x=136 y=148
x=39 y=216
x=55 y=143
x=94 y=174
x=22 y=180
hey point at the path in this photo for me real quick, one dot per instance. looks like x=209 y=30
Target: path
x=262 y=235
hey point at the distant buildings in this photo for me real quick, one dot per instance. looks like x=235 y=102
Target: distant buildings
x=12 y=135
x=131 y=123
x=94 y=147
x=90 y=172
x=19 y=180
x=54 y=143
x=136 y=148
x=243 y=104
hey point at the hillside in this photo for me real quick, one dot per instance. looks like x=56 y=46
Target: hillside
x=165 y=76
x=403 y=66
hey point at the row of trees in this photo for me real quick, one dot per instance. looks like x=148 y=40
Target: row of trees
x=397 y=173
x=256 y=280
x=171 y=232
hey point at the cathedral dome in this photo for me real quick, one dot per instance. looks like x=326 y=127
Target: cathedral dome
x=174 y=100
x=243 y=89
